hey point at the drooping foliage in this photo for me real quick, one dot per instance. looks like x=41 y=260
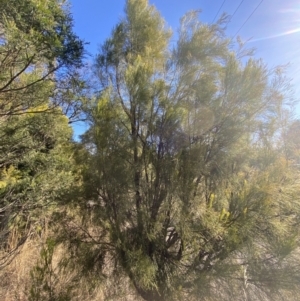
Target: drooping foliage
x=186 y=180
x=186 y=188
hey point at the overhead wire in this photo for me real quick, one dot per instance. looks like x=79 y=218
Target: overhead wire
x=248 y=18
x=218 y=11
x=235 y=11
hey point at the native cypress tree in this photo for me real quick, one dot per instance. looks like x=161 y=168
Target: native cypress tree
x=190 y=192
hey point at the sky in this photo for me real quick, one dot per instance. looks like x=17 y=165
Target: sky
x=272 y=27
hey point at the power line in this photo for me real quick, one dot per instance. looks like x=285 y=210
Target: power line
x=218 y=11
x=248 y=18
x=236 y=10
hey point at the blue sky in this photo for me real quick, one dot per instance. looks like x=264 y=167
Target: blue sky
x=273 y=29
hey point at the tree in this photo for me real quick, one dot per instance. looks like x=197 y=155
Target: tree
x=36 y=42
x=38 y=50
x=291 y=142
x=190 y=193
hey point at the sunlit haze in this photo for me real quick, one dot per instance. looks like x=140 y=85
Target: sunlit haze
x=272 y=27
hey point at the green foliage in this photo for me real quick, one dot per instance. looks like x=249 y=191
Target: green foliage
x=37 y=51
x=45 y=27
x=186 y=190
x=35 y=173
x=190 y=191
x=183 y=189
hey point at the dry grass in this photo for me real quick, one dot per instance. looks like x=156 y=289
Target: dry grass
x=15 y=278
